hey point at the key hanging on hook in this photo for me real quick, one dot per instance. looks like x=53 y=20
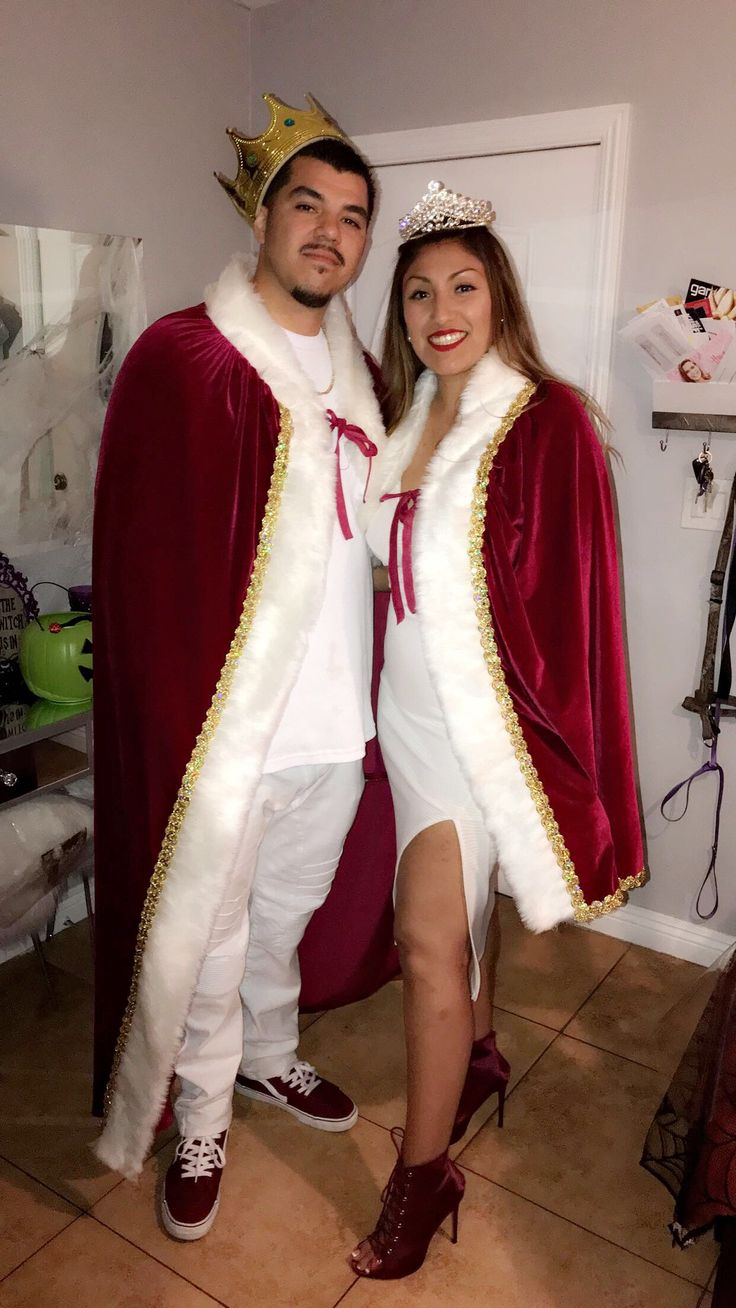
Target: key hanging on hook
x=703 y=470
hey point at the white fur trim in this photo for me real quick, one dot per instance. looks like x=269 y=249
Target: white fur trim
x=211 y=836
x=451 y=639
x=238 y=310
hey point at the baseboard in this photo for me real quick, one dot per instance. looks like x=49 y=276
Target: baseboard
x=72 y=908
x=694 y=941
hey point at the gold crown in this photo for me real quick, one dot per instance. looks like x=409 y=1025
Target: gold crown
x=442 y=210
x=260 y=157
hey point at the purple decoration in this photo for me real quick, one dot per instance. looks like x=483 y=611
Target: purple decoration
x=80 y=598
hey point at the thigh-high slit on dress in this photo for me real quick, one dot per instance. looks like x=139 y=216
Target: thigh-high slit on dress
x=427 y=784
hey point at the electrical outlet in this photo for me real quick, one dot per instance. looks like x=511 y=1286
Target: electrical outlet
x=705 y=512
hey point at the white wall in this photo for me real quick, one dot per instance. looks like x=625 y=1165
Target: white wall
x=113 y=119
x=113 y=115
x=380 y=65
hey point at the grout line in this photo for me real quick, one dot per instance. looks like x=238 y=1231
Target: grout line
x=563 y=1030
x=364 y=1118
x=512 y=1012
x=344 y=1296
x=596 y=988
x=615 y=1054
x=50 y=1240
x=314 y=1019
x=509 y=1096
x=526 y=1016
x=45 y=1186
x=580 y=1227
x=139 y=1248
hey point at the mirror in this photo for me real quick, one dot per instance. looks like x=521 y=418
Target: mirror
x=71 y=306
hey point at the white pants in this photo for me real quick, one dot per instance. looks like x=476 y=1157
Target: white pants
x=248 y=989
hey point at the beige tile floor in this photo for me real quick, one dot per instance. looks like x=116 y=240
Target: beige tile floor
x=557 y=1212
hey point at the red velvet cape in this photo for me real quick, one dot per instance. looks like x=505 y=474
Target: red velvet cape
x=553 y=582
x=185 y=465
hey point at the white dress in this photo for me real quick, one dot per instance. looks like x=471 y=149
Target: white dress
x=427 y=784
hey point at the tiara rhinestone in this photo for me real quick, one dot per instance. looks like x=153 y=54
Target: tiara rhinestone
x=443 y=210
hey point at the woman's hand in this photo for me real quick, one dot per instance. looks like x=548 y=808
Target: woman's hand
x=380 y=578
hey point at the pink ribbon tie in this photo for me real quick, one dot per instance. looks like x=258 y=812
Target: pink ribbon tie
x=404 y=513
x=366 y=446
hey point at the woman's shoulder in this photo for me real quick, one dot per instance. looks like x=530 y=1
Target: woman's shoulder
x=555 y=401
x=556 y=416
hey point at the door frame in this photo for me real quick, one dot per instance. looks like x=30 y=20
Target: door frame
x=605 y=126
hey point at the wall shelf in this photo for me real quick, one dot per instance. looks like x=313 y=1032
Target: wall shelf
x=679 y=406
x=704 y=422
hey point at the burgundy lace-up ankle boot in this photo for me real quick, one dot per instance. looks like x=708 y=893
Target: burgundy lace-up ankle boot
x=416 y=1202
x=488 y=1074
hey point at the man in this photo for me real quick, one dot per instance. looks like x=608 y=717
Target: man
x=232 y=639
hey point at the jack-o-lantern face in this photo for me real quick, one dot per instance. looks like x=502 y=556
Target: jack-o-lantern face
x=56 y=657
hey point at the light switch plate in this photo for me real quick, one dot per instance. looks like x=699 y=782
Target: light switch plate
x=707 y=513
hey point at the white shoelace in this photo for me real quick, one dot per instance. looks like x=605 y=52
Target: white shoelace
x=302 y=1077
x=199 y=1155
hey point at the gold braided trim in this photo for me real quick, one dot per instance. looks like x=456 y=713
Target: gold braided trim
x=583 y=911
x=204 y=739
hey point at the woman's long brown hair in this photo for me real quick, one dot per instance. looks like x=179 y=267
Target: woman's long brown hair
x=513 y=333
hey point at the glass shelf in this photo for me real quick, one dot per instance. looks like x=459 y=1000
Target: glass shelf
x=15 y=734
x=33 y=760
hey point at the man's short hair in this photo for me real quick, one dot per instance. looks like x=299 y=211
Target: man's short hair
x=339 y=155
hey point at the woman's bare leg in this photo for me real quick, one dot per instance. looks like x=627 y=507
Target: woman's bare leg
x=483 y=1005
x=432 y=935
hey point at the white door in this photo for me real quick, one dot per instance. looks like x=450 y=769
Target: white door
x=559 y=210
x=557 y=183
x=546 y=207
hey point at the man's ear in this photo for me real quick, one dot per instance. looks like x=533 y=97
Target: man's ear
x=260 y=224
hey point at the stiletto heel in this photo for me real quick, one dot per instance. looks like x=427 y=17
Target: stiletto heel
x=416 y=1201
x=501 y=1102
x=488 y=1074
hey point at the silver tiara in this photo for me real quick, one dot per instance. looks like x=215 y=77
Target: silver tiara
x=442 y=210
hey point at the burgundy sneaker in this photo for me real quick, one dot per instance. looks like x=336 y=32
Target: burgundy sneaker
x=191 y=1194
x=305 y=1095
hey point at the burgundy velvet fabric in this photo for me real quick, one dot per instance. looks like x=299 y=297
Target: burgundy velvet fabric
x=185 y=465
x=550 y=554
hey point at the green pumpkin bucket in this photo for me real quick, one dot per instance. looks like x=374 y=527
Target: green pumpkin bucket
x=56 y=657
x=44 y=712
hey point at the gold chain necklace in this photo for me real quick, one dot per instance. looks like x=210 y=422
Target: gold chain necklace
x=327 y=389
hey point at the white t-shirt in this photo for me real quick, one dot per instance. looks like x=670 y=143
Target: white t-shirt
x=328 y=716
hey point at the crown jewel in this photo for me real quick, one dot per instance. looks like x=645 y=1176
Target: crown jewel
x=442 y=210
x=260 y=157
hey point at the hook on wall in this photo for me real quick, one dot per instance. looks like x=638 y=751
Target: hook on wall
x=664 y=443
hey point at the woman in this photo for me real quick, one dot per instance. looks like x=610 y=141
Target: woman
x=691 y=371
x=503 y=713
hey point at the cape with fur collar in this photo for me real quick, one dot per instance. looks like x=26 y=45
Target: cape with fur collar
x=214 y=514
x=516 y=578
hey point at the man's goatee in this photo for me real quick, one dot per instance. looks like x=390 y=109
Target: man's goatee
x=310 y=299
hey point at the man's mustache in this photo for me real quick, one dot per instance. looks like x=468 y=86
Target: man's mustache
x=330 y=249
